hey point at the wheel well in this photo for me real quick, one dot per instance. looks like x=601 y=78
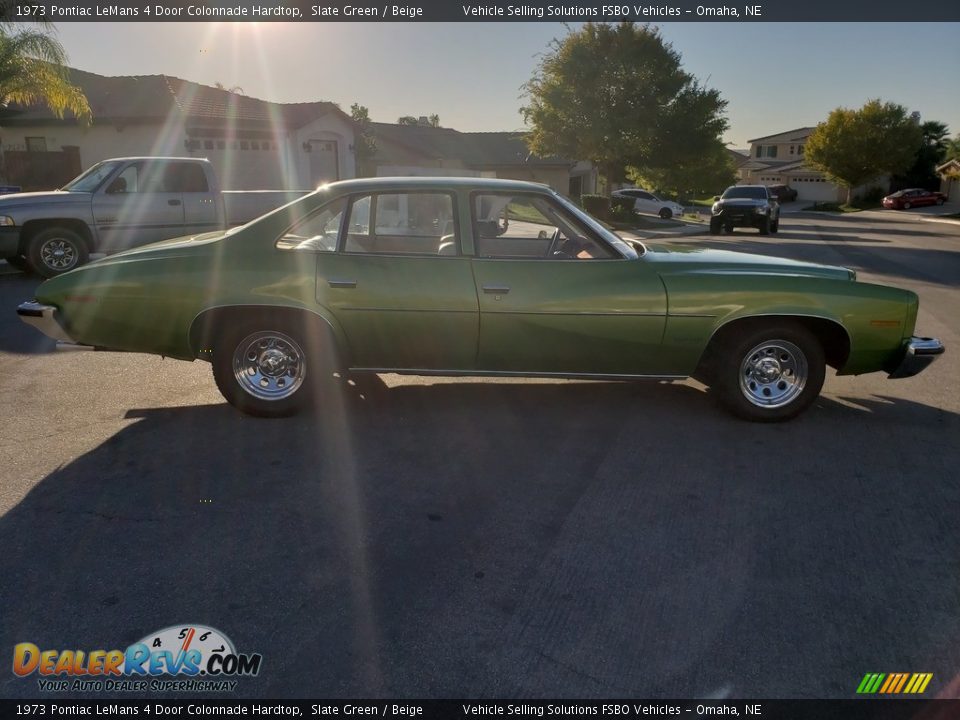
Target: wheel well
x=207 y=326
x=32 y=227
x=831 y=334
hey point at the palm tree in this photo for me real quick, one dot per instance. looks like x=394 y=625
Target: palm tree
x=33 y=71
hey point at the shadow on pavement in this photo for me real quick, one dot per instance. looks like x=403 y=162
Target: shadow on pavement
x=503 y=539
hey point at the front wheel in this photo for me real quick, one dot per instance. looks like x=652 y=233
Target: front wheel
x=764 y=226
x=19 y=262
x=940 y=201
x=268 y=368
x=775 y=225
x=55 y=251
x=714 y=228
x=770 y=374
x=666 y=213
x=907 y=206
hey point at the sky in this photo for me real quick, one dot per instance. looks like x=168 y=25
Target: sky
x=776 y=77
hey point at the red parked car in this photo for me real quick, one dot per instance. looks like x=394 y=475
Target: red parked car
x=914 y=197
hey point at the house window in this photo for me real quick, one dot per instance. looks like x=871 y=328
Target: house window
x=800 y=150
x=759 y=150
x=36 y=144
x=791 y=149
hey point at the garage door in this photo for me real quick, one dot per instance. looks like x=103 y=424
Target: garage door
x=814 y=189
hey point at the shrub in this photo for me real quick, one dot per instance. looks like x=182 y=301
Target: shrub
x=870 y=198
x=597 y=205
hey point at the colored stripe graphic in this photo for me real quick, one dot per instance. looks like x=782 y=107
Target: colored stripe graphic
x=894 y=683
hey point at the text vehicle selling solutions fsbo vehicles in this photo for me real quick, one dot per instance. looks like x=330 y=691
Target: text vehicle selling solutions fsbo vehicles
x=468 y=276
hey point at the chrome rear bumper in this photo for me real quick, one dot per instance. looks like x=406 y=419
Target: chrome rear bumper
x=918 y=353
x=44 y=319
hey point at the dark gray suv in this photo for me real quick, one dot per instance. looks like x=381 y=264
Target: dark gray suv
x=745 y=206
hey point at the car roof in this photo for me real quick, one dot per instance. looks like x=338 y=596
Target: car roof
x=478 y=183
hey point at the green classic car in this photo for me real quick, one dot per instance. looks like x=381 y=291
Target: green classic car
x=468 y=276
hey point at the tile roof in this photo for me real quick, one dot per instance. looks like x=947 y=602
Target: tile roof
x=477 y=149
x=156 y=97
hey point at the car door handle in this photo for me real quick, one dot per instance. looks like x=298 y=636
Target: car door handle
x=496 y=289
x=173 y=202
x=338 y=283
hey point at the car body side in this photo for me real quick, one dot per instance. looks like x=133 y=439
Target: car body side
x=168 y=298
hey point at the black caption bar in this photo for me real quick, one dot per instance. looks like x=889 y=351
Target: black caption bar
x=473 y=709
x=481 y=11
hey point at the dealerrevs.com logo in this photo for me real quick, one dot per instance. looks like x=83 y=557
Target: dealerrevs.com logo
x=188 y=658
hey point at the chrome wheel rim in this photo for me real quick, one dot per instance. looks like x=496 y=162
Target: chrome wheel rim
x=269 y=365
x=58 y=254
x=773 y=374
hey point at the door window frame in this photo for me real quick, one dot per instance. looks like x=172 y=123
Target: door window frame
x=371 y=222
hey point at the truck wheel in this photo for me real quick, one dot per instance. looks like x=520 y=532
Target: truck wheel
x=270 y=367
x=56 y=250
x=666 y=213
x=770 y=374
x=764 y=226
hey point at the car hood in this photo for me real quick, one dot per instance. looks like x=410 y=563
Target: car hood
x=10 y=202
x=741 y=202
x=671 y=260
x=174 y=247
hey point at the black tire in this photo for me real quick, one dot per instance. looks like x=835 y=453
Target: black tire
x=19 y=262
x=940 y=201
x=907 y=206
x=666 y=213
x=792 y=356
x=764 y=226
x=714 y=228
x=283 y=354
x=775 y=225
x=56 y=250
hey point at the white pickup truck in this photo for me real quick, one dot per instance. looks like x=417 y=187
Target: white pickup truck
x=119 y=204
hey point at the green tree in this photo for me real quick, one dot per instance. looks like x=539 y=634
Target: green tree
x=932 y=152
x=364 y=141
x=706 y=173
x=236 y=89
x=617 y=95
x=953 y=149
x=853 y=147
x=432 y=120
x=33 y=71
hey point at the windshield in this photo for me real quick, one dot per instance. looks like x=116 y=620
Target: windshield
x=751 y=192
x=624 y=248
x=92 y=178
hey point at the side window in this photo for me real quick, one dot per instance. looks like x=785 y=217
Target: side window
x=531 y=227
x=645 y=196
x=316 y=233
x=127 y=181
x=185 y=178
x=416 y=223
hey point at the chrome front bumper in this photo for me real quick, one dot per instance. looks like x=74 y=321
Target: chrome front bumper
x=918 y=353
x=44 y=319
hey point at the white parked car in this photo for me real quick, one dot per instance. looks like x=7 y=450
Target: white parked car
x=648 y=203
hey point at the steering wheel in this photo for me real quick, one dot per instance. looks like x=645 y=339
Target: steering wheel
x=554 y=245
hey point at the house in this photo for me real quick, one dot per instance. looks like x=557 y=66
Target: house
x=949 y=174
x=253 y=144
x=778 y=160
x=423 y=149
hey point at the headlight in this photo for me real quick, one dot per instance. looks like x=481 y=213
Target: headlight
x=761 y=210
x=7 y=220
x=716 y=208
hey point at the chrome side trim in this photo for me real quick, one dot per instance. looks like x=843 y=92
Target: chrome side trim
x=511 y=373
x=43 y=318
x=918 y=353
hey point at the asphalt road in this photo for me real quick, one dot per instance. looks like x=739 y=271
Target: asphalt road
x=500 y=539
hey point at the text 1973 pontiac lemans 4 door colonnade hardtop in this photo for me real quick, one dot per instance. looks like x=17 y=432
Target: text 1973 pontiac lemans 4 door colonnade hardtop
x=466 y=276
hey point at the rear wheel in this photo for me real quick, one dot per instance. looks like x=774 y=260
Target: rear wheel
x=666 y=213
x=940 y=201
x=55 y=251
x=769 y=374
x=271 y=367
